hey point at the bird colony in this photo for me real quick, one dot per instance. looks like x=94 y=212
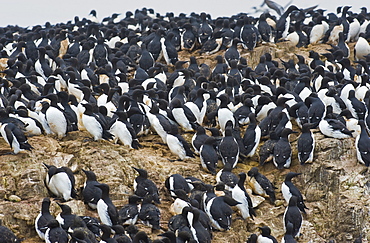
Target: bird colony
x=122 y=78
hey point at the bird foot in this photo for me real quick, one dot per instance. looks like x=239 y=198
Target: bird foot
x=9 y=153
x=87 y=139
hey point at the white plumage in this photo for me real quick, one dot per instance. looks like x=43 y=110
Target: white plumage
x=286 y=192
x=14 y=143
x=102 y=209
x=92 y=126
x=60 y=185
x=120 y=132
x=225 y=115
x=176 y=146
x=181 y=119
x=56 y=121
x=239 y=195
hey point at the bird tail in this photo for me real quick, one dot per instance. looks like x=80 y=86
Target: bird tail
x=73 y=193
x=252 y=213
x=26 y=146
x=194 y=125
x=302 y=207
x=107 y=135
x=135 y=144
x=156 y=199
x=272 y=197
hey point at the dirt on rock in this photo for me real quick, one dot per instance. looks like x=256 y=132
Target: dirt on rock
x=335 y=186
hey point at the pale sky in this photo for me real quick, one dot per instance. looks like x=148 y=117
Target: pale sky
x=32 y=12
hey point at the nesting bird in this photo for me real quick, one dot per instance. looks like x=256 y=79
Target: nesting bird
x=14 y=136
x=261 y=185
x=109 y=79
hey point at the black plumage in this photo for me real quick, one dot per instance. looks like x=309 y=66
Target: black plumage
x=7 y=236
x=149 y=213
x=107 y=211
x=293 y=215
x=361 y=143
x=251 y=136
x=306 y=144
x=43 y=218
x=129 y=213
x=208 y=155
x=227 y=177
x=229 y=148
x=258 y=181
x=267 y=149
x=65 y=218
x=249 y=34
x=55 y=234
x=144 y=186
x=91 y=194
x=199 y=138
x=265 y=235
x=289 y=189
x=175 y=182
x=282 y=152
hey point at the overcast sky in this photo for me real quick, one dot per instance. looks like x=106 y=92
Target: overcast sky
x=32 y=12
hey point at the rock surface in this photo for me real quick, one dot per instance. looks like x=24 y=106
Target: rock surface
x=335 y=185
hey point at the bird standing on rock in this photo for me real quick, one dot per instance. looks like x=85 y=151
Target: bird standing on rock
x=14 y=136
x=90 y=192
x=229 y=148
x=306 y=144
x=144 y=186
x=266 y=151
x=289 y=189
x=175 y=182
x=60 y=181
x=96 y=125
x=240 y=195
x=282 y=150
x=178 y=145
x=129 y=213
x=219 y=211
x=208 y=155
x=199 y=232
x=362 y=145
x=224 y=114
x=43 y=218
x=199 y=139
x=149 y=213
x=293 y=216
x=65 y=218
x=252 y=136
x=108 y=213
x=227 y=177
x=261 y=185
x=123 y=131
